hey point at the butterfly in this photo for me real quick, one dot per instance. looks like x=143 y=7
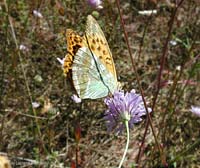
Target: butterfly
x=89 y=62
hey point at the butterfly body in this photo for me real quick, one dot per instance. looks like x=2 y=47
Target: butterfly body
x=90 y=62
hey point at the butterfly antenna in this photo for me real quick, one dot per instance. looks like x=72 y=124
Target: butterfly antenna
x=97 y=65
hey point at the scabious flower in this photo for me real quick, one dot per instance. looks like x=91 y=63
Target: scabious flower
x=124 y=107
x=195 y=110
x=95 y=3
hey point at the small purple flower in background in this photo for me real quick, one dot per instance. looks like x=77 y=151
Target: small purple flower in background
x=95 y=3
x=124 y=107
x=75 y=98
x=195 y=110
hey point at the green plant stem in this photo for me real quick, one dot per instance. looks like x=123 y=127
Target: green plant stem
x=24 y=74
x=22 y=67
x=127 y=143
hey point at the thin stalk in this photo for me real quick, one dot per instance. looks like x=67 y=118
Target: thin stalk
x=164 y=55
x=143 y=36
x=138 y=81
x=127 y=143
x=22 y=67
x=179 y=96
x=24 y=73
x=170 y=101
x=174 y=101
x=162 y=63
x=2 y=55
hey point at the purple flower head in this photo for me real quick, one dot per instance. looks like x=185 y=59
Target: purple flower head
x=195 y=110
x=124 y=106
x=95 y=3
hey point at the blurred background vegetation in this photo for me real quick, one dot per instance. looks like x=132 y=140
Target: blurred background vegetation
x=38 y=119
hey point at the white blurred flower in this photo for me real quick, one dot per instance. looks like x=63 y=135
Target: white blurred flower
x=37 y=14
x=195 y=110
x=173 y=42
x=178 y=68
x=75 y=98
x=38 y=78
x=147 y=12
x=35 y=104
x=23 y=48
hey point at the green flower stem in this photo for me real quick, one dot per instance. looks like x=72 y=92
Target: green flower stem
x=127 y=143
